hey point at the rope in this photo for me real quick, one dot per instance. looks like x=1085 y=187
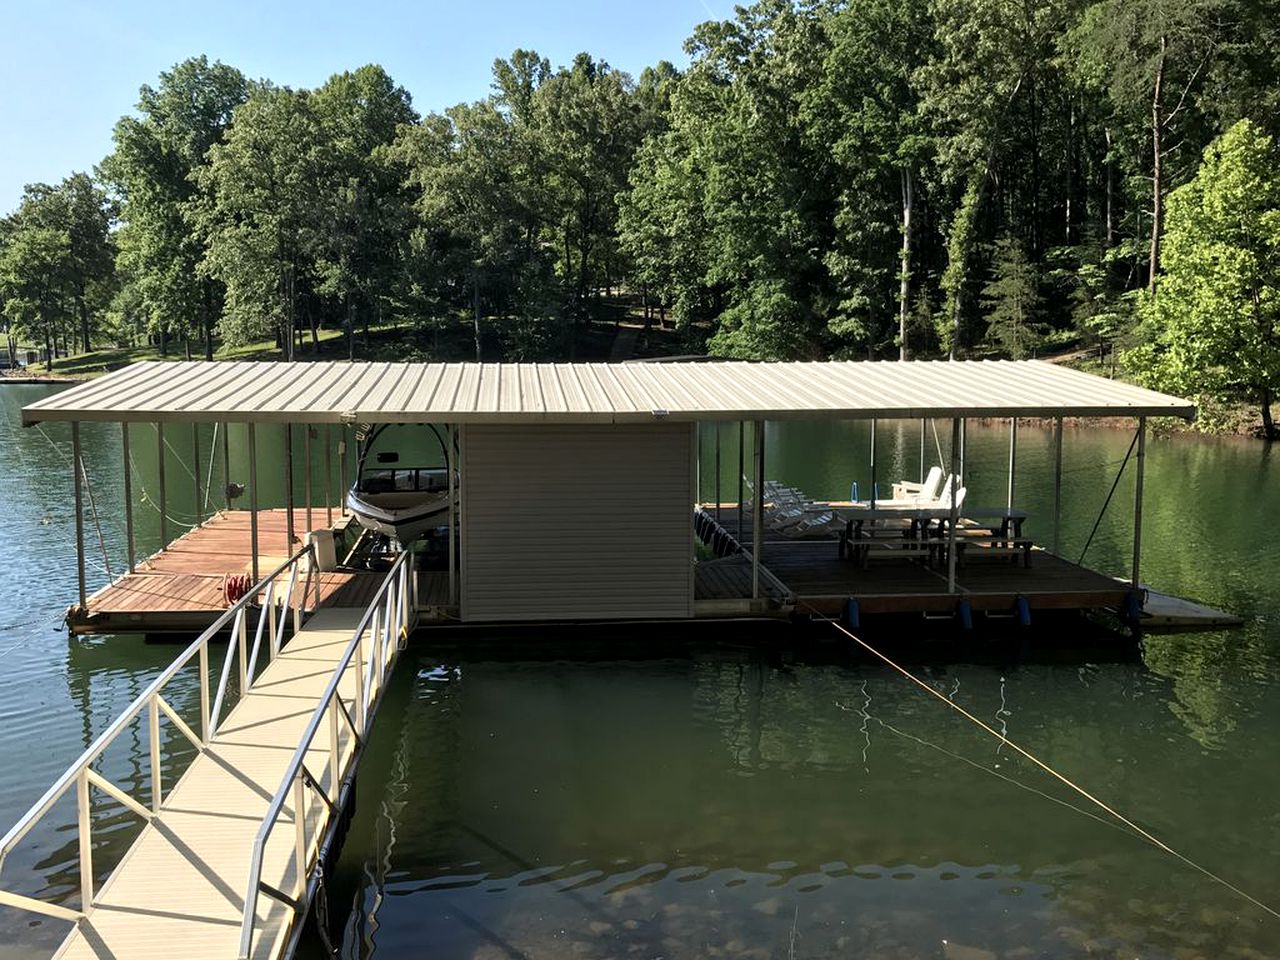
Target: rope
x=1004 y=740
x=1110 y=493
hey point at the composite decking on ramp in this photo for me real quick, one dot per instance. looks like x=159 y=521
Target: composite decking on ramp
x=180 y=889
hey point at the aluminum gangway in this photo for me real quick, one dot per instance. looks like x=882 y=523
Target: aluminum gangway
x=230 y=856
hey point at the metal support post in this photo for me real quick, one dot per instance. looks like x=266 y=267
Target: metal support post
x=922 y=438
x=757 y=508
x=160 y=458
x=226 y=464
x=342 y=468
x=253 y=499
x=717 y=471
x=153 y=733
x=306 y=472
x=873 y=463
x=195 y=470
x=328 y=474
x=79 y=495
x=451 y=467
x=1137 y=503
x=128 y=496
x=742 y=438
x=1013 y=459
x=1057 y=485
x=954 y=519
x=288 y=489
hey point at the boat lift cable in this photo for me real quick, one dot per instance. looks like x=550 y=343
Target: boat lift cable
x=93 y=502
x=213 y=452
x=1116 y=814
x=1110 y=493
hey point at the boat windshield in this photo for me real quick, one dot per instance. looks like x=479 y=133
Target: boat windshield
x=403 y=480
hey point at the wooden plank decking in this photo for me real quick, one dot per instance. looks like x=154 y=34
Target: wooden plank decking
x=179 y=891
x=180 y=587
x=822 y=581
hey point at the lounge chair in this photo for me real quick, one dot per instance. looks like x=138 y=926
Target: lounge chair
x=928 y=490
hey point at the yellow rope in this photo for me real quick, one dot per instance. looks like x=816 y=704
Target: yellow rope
x=1054 y=773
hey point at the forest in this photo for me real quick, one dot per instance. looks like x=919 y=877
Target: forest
x=829 y=178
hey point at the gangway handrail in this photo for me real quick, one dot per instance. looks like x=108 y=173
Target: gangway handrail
x=81 y=772
x=388 y=620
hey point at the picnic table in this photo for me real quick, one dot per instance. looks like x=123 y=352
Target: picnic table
x=998 y=527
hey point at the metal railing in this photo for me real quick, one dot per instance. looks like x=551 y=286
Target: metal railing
x=370 y=655
x=273 y=606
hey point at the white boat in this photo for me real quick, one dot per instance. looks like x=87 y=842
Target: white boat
x=402 y=503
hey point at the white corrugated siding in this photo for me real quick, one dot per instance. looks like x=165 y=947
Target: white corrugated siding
x=586 y=522
x=596 y=392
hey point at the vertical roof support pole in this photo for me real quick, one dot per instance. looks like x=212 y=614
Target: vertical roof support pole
x=328 y=474
x=742 y=439
x=873 y=463
x=226 y=464
x=288 y=489
x=757 y=508
x=342 y=468
x=195 y=469
x=164 y=519
x=717 y=471
x=957 y=451
x=922 y=430
x=1137 y=504
x=306 y=472
x=75 y=476
x=1057 y=485
x=1013 y=459
x=964 y=448
x=131 y=553
x=253 y=499
x=451 y=465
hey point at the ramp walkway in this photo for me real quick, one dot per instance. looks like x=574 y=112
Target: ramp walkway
x=227 y=861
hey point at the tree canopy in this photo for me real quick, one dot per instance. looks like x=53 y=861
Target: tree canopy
x=847 y=178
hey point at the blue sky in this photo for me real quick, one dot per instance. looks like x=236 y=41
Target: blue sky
x=70 y=69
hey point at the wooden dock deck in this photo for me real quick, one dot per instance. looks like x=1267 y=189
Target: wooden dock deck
x=820 y=581
x=180 y=889
x=179 y=589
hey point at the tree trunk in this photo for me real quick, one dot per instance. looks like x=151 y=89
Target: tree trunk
x=314 y=327
x=84 y=321
x=48 y=350
x=1157 y=123
x=1071 y=168
x=164 y=342
x=904 y=285
x=351 y=326
x=1268 y=426
x=207 y=318
x=186 y=347
x=475 y=308
x=1110 y=178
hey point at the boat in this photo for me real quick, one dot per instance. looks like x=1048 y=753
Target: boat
x=399 y=502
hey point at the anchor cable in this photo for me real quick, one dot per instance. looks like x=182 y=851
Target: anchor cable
x=1144 y=834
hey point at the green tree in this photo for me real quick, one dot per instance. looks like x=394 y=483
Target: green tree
x=263 y=213
x=358 y=258
x=153 y=170
x=1012 y=301
x=1212 y=322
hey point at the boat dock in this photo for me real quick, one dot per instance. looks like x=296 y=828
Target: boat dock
x=229 y=856
x=573 y=495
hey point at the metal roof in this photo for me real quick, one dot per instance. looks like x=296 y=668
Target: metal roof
x=306 y=392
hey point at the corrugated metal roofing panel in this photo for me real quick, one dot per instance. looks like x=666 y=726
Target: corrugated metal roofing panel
x=332 y=392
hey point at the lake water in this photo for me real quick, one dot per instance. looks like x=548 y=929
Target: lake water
x=708 y=799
